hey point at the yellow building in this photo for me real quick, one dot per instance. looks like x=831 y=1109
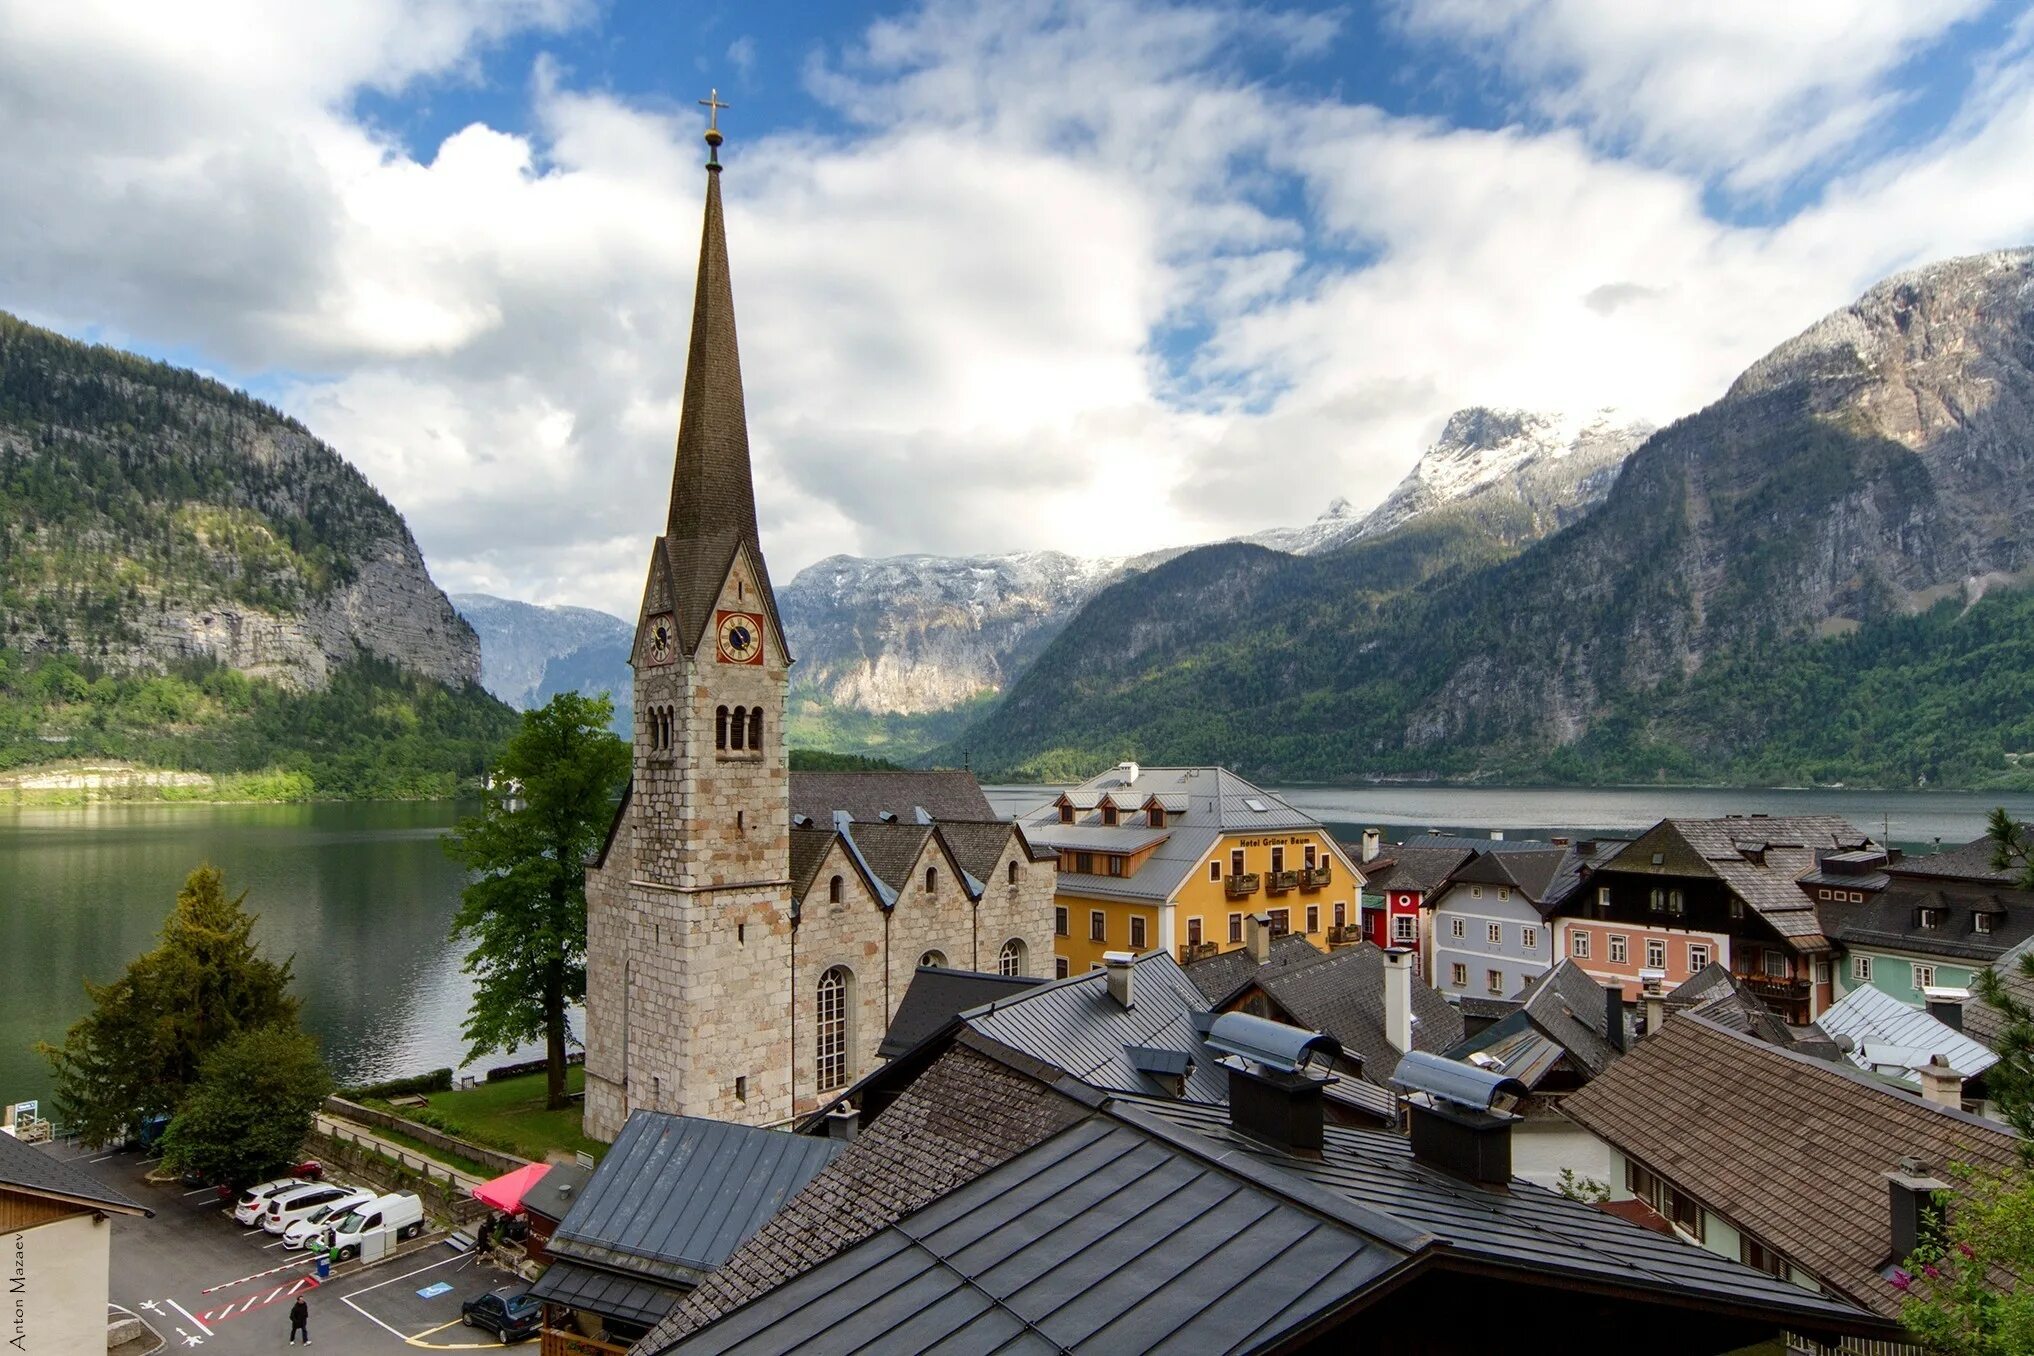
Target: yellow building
x=1177 y=857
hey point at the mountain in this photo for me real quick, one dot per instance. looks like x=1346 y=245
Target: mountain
x=1736 y=607
x=530 y=652
x=189 y=576
x=923 y=637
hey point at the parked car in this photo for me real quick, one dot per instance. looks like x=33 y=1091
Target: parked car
x=287 y=1207
x=300 y=1233
x=310 y=1170
x=253 y=1201
x=511 y=1315
x=397 y=1216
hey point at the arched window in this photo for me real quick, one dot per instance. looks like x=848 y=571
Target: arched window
x=720 y=728
x=756 y=728
x=740 y=725
x=835 y=889
x=931 y=879
x=1010 y=960
x=832 y=1028
x=1013 y=873
x=935 y=958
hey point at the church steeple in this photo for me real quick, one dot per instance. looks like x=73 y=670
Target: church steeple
x=713 y=499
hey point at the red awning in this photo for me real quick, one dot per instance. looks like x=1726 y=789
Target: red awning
x=505 y=1193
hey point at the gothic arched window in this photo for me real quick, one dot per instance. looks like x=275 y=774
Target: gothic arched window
x=740 y=725
x=834 y=889
x=933 y=958
x=1010 y=960
x=720 y=728
x=1013 y=873
x=931 y=879
x=756 y=728
x=835 y=989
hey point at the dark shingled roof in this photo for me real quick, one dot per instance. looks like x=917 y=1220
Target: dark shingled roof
x=713 y=498
x=808 y=850
x=1970 y=861
x=1343 y=997
x=1565 y=1017
x=1888 y=919
x=1411 y=868
x=964 y=1115
x=557 y=1191
x=977 y=844
x=676 y=1195
x=938 y=995
x=892 y=850
x=1219 y=976
x=1793 y=1150
x=867 y=796
x=1759 y=858
x=1986 y=1024
x=1716 y=994
x=37 y=1172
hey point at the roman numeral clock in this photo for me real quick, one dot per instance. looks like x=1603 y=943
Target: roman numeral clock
x=739 y=637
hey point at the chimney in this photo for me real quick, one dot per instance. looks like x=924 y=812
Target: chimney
x=1585 y=847
x=1122 y=967
x=842 y=1123
x=1654 y=989
x=1257 y=936
x=1273 y=1098
x=1917 y=1207
x=1613 y=1017
x=1371 y=839
x=1946 y=1006
x=1453 y=1118
x=1398 y=998
x=1940 y=1084
x=1129 y=771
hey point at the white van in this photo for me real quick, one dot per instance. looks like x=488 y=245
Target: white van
x=397 y=1216
x=312 y=1227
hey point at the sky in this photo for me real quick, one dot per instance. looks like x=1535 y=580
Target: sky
x=1009 y=275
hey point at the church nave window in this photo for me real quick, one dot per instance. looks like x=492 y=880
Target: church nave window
x=720 y=728
x=931 y=879
x=1013 y=875
x=832 y=1028
x=1010 y=960
x=834 y=889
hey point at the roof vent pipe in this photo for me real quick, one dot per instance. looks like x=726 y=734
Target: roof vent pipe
x=1917 y=1207
x=1453 y=1115
x=1274 y=1097
x=1122 y=968
x=1398 y=998
x=1129 y=771
x=843 y=1123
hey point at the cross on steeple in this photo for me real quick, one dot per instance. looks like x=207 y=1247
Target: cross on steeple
x=713 y=106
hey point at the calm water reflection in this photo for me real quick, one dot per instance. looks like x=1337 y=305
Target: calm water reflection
x=361 y=895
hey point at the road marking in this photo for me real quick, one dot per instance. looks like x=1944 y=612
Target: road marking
x=257 y=1276
x=188 y=1314
x=102 y=1158
x=385 y=1327
x=199 y=1192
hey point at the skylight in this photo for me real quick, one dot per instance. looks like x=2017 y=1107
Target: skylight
x=1255 y=804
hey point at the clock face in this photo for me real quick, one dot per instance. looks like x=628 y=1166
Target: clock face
x=663 y=640
x=741 y=638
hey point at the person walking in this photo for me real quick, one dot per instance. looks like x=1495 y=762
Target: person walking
x=300 y=1321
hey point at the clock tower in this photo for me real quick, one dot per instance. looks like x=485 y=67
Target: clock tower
x=689 y=904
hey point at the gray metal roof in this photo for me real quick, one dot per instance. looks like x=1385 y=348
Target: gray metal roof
x=1073 y=1024
x=24 y=1167
x=676 y=1194
x=558 y=1190
x=626 y=1298
x=1100 y=1239
x=1876 y=1020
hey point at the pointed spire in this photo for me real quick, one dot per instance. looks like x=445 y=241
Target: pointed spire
x=711 y=489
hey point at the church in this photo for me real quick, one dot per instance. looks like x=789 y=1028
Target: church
x=751 y=930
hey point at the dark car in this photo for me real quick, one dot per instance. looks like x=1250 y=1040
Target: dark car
x=511 y=1315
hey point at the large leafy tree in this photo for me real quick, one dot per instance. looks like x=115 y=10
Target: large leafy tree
x=140 y=1047
x=525 y=910
x=251 y=1107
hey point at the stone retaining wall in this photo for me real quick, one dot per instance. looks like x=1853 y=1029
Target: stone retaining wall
x=493 y=1159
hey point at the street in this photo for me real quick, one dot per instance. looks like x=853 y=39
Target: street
x=207 y=1284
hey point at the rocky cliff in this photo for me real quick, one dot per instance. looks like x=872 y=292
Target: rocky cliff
x=530 y=652
x=151 y=515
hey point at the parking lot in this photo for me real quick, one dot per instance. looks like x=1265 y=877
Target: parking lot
x=205 y=1283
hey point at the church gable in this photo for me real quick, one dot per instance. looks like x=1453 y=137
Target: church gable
x=741 y=626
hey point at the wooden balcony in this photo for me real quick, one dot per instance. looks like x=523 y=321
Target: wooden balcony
x=557 y=1343
x=1189 y=952
x=1243 y=886
x=1317 y=877
x=1278 y=882
x=1345 y=936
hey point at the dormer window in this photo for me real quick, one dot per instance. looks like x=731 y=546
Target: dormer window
x=1108 y=814
x=1066 y=812
x=1928 y=916
x=1981 y=922
x=1155 y=816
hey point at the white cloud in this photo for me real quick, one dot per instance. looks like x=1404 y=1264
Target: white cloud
x=954 y=314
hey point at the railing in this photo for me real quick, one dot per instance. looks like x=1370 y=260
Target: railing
x=1189 y=952
x=1243 y=886
x=1317 y=877
x=1767 y=986
x=1278 y=882
x=558 y=1343
x=1345 y=936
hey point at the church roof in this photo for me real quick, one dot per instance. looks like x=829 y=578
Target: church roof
x=713 y=498
x=868 y=796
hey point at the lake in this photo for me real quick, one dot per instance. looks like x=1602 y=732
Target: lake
x=363 y=895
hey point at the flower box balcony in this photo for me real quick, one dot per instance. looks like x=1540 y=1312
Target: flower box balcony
x=1278 y=882
x=1345 y=936
x=1243 y=886
x=1317 y=877
x=1189 y=952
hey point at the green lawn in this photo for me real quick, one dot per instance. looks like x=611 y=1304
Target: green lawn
x=510 y=1116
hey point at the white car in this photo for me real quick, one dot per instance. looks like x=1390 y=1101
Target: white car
x=301 y=1233
x=287 y=1207
x=254 y=1200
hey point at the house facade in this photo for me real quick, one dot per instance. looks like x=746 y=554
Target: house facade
x=1493 y=924
x=54 y=1225
x=1934 y=923
x=1400 y=887
x=1176 y=858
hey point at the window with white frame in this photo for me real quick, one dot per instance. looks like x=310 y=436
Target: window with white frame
x=1656 y=953
x=1495 y=932
x=1504 y=892
x=1924 y=976
x=1313 y=918
x=1578 y=945
x=1403 y=927
x=1777 y=966
x=832 y=1029
x=1214 y=870
x=1475 y=892
x=1098 y=926
x=1619 y=948
x=1010 y=960
x=1458 y=976
x=1458 y=927
x=1698 y=956
x=1861 y=969
x=1494 y=981
x=1529 y=938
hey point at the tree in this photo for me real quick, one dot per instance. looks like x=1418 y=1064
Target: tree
x=139 y=1048
x=1971 y=1293
x=2010 y=1082
x=251 y=1107
x=2012 y=845
x=547 y=811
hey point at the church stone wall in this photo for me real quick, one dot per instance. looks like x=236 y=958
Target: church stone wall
x=848 y=934
x=1022 y=910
